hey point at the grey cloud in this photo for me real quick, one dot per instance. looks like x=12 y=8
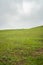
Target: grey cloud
x=10 y=7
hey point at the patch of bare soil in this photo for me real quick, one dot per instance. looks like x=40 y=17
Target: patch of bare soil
x=37 y=52
x=21 y=62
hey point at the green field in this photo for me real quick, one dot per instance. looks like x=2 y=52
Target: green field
x=21 y=46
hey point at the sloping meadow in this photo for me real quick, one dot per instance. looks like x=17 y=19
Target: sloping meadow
x=21 y=47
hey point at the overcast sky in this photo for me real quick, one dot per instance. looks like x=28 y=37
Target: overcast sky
x=21 y=13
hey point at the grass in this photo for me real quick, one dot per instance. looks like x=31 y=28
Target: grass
x=21 y=47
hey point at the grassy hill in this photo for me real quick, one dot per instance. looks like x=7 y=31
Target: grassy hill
x=21 y=47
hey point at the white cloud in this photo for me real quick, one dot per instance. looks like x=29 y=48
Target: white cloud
x=27 y=7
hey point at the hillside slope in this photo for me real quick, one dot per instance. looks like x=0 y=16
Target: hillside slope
x=21 y=47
